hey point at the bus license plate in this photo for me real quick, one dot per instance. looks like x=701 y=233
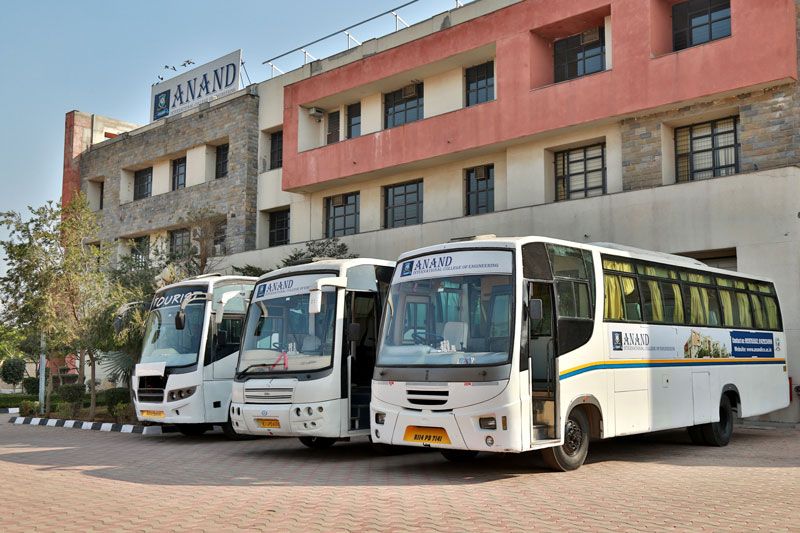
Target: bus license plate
x=270 y=423
x=426 y=435
x=153 y=414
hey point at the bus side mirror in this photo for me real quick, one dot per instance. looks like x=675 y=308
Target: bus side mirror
x=314 y=301
x=535 y=310
x=180 y=319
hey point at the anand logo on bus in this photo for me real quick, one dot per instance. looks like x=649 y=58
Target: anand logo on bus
x=408 y=268
x=616 y=340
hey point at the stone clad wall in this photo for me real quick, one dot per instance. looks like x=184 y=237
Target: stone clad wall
x=235 y=120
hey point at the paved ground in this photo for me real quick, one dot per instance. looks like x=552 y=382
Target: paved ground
x=64 y=479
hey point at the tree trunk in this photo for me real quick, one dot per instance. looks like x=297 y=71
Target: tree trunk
x=92 y=386
x=48 y=392
x=81 y=367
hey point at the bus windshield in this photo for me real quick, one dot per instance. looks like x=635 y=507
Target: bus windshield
x=163 y=343
x=282 y=336
x=455 y=320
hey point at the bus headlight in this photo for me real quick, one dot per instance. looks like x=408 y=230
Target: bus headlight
x=180 y=394
x=380 y=418
x=488 y=422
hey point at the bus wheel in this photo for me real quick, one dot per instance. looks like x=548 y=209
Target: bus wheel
x=230 y=433
x=572 y=453
x=318 y=443
x=696 y=435
x=459 y=456
x=719 y=433
x=192 y=430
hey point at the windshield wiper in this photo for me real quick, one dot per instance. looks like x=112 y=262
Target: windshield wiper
x=242 y=372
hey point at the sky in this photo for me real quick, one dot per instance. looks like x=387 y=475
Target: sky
x=102 y=57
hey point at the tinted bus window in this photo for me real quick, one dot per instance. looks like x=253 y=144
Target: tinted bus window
x=673 y=303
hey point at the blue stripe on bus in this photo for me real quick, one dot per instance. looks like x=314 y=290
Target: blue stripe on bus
x=604 y=366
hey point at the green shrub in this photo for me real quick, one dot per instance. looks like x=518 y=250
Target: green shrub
x=120 y=411
x=72 y=393
x=30 y=386
x=116 y=396
x=15 y=400
x=28 y=408
x=13 y=370
x=64 y=410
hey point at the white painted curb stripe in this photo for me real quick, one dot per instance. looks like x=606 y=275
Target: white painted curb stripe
x=69 y=423
x=52 y=422
x=127 y=428
x=106 y=427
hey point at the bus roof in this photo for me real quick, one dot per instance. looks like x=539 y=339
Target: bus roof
x=208 y=279
x=336 y=265
x=619 y=250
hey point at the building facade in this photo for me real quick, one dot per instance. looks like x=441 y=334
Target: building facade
x=664 y=124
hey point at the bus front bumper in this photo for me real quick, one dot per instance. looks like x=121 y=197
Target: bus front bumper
x=316 y=419
x=460 y=429
x=189 y=411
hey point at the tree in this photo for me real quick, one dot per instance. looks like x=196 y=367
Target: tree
x=13 y=370
x=331 y=248
x=250 y=270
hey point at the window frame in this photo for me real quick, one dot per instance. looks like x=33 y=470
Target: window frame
x=221 y=163
x=274 y=232
x=276 y=149
x=178 y=173
x=334 y=119
x=331 y=216
x=481 y=73
x=352 y=124
x=220 y=239
x=566 y=178
x=395 y=99
x=140 y=249
x=688 y=30
x=389 y=210
x=143 y=183
x=178 y=235
x=716 y=169
x=575 y=52
x=488 y=178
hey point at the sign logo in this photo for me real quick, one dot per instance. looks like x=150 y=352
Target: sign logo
x=408 y=268
x=161 y=105
x=261 y=289
x=616 y=341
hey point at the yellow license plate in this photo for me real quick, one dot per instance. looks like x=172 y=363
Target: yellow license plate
x=271 y=423
x=426 y=435
x=153 y=414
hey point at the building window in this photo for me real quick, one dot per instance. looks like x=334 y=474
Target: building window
x=700 y=21
x=354 y=120
x=333 y=128
x=142 y=183
x=480 y=190
x=480 y=83
x=341 y=214
x=222 y=161
x=220 y=233
x=402 y=204
x=580 y=55
x=179 y=242
x=140 y=250
x=279 y=227
x=706 y=150
x=178 y=173
x=403 y=106
x=102 y=193
x=276 y=149
x=580 y=172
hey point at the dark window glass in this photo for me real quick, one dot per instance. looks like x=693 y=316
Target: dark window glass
x=573 y=299
x=179 y=242
x=220 y=234
x=579 y=55
x=279 y=227
x=707 y=149
x=480 y=83
x=700 y=21
x=142 y=183
x=480 y=190
x=102 y=193
x=178 y=173
x=353 y=120
x=403 y=106
x=581 y=172
x=140 y=249
x=222 y=161
x=341 y=214
x=276 y=149
x=333 y=128
x=402 y=204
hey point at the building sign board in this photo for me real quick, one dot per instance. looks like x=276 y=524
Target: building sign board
x=207 y=82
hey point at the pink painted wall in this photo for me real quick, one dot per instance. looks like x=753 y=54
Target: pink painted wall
x=762 y=49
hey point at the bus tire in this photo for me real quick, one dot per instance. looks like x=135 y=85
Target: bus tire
x=719 y=433
x=571 y=454
x=459 y=456
x=696 y=435
x=192 y=430
x=230 y=433
x=317 y=443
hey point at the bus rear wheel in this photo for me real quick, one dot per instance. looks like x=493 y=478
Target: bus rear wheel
x=317 y=443
x=192 y=430
x=459 y=456
x=719 y=433
x=571 y=454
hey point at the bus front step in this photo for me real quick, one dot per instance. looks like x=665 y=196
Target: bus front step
x=541 y=432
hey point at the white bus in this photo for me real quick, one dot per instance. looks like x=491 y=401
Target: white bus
x=517 y=344
x=189 y=352
x=306 y=363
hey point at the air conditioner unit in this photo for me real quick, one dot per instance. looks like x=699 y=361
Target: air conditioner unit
x=338 y=200
x=590 y=36
x=410 y=91
x=316 y=113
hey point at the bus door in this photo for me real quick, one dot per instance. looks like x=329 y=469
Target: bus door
x=361 y=334
x=541 y=362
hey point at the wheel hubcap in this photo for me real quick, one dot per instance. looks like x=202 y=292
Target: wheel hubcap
x=573 y=437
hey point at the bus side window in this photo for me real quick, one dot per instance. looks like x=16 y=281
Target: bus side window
x=771 y=312
x=543 y=327
x=673 y=302
x=653 y=302
x=758 y=312
x=573 y=300
x=622 y=298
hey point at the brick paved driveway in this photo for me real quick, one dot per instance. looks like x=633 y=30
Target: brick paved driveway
x=63 y=479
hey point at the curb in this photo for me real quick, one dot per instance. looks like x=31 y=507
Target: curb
x=9 y=410
x=94 y=426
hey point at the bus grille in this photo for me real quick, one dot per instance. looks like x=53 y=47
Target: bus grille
x=427 y=397
x=268 y=395
x=151 y=389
